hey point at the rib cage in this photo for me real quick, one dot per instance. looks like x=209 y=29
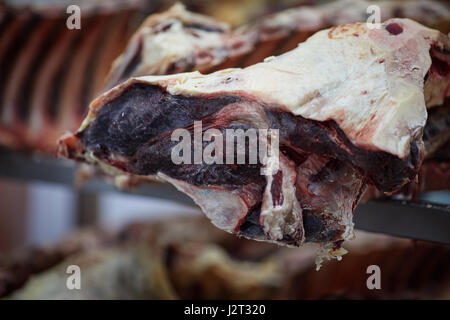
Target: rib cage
x=50 y=73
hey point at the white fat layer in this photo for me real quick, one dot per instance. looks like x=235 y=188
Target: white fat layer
x=284 y=218
x=370 y=84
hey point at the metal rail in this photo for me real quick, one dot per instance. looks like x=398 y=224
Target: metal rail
x=415 y=220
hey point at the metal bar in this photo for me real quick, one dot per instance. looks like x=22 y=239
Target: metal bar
x=416 y=220
x=28 y=167
x=87 y=208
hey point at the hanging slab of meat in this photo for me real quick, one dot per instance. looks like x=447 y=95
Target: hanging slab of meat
x=352 y=115
x=207 y=45
x=179 y=41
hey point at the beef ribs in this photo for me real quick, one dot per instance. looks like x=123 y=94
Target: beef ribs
x=50 y=73
x=349 y=106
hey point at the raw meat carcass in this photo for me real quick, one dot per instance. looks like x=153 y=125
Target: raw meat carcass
x=179 y=41
x=350 y=116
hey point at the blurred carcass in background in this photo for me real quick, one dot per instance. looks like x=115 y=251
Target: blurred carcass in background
x=189 y=258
